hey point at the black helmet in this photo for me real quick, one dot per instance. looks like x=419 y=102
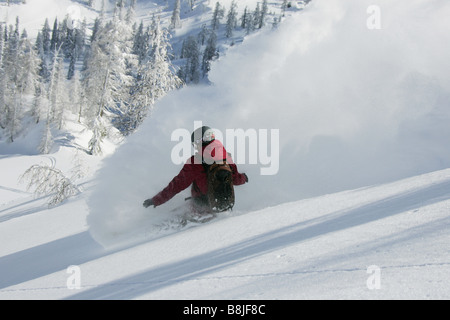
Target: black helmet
x=204 y=134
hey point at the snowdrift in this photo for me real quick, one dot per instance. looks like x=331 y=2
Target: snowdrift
x=354 y=105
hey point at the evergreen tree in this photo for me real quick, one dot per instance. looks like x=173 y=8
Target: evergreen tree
x=263 y=14
x=42 y=56
x=66 y=38
x=218 y=14
x=18 y=76
x=210 y=53
x=191 y=52
x=54 y=41
x=244 y=18
x=12 y=111
x=231 y=20
x=2 y=44
x=284 y=6
x=203 y=35
x=47 y=138
x=106 y=80
x=140 y=43
x=256 y=17
x=80 y=39
x=29 y=63
x=2 y=81
x=74 y=46
x=38 y=101
x=131 y=12
x=99 y=133
x=46 y=37
x=154 y=78
x=70 y=51
x=248 y=22
x=72 y=62
x=75 y=95
x=57 y=92
x=120 y=5
x=95 y=29
x=175 y=22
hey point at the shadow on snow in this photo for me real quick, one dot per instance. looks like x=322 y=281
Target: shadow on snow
x=201 y=265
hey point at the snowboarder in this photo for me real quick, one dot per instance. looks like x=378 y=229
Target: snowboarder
x=194 y=172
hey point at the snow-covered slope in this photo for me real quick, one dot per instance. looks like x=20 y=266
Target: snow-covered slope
x=352 y=213
x=315 y=248
x=32 y=15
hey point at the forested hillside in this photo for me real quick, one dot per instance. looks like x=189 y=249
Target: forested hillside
x=108 y=71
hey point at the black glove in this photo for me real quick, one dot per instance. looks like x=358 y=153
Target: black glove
x=246 y=177
x=147 y=203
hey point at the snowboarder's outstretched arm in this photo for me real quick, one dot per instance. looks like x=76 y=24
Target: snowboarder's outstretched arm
x=183 y=180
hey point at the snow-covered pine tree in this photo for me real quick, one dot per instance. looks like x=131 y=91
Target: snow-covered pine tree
x=210 y=52
x=106 y=79
x=2 y=44
x=39 y=45
x=284 y=6
x=82 y=99
x=256 y=16
x=38 y=101
x=231 y=20
x=164 y=80
x=54 y=40
x=96 y=27
x=131 y=12
x=191 y=52
x=29 y=62
x=218 y=14
x=52 y=100
x=249 y=26
x=263 y=14
x=75 y=95
x=46 y=37
x=154 y=78
x=72 y=63
x=43 y=72
x=18 y=78
x=12 y=111
x=140 y=43
x=47 y=138
x=57 y=92
x=74 y=44
x=175 y=21
x=203 y=34
x=100 y=131
x=244 y=18
x=66 y=38
x=2 y=82
x=80 y=39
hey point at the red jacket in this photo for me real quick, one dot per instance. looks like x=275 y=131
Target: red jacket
x=193 y=173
